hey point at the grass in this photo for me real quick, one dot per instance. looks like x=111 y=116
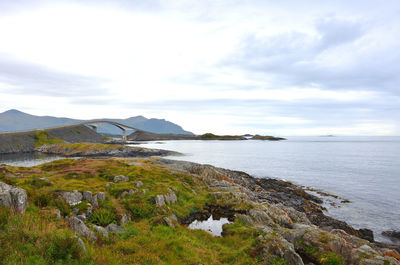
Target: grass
x=38 y=237
x=43 y=137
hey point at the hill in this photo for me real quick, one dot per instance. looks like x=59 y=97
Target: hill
x=15 y=120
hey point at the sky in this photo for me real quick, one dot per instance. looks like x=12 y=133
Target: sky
x=284 y=67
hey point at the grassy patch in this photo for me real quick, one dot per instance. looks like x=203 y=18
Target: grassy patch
x=43 y=137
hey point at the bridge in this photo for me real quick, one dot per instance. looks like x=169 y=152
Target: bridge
x=123 y=127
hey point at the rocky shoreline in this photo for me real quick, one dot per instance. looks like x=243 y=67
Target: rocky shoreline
x=286 y=224
x=101 y=150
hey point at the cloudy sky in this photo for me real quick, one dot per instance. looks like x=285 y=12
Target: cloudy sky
x=227 y=66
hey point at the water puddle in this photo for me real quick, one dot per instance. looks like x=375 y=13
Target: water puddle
x=210 y=225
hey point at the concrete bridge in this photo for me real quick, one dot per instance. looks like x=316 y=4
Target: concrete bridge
x=123 y=127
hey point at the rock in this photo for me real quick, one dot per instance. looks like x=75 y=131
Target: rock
x=131 y=192
x=245 y=218
x=173 y=217
x=72 y=197
x=113 y=228
x=75 y=211
x=58 y=214
x=108 y=184
x=139 y=184
x=89 y=212
x=121 y=178
x=82 y=217
x=95 y=202
x=364 y=251
x=169 y=222
x=125 y=219
x=13 y=197
x=123 y=194
x=101 y=230
x=80 y=228
x=81 y=244
x=392 y=234
x=101 y=196
x=87 y=195
x=393 y=253
x=366 y=234
x=170 y=197
x=160 y=200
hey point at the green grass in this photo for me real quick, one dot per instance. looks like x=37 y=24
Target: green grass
x=43 y=137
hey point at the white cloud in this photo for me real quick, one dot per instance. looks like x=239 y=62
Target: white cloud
x=114 y=58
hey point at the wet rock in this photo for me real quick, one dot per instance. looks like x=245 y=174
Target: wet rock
x=101 y=196
x=392 y=234
x=13 y=197
x=160 y=200
x=87 y=195
x=170 y=197
x=72 y=197
x=139 y=184
x=80 y=228
x=101 y=230
x=120 y=178
x=169 y=222
x=113 y=228
x=366 y=234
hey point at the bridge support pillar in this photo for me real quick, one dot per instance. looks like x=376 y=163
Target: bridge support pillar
x=123 y=135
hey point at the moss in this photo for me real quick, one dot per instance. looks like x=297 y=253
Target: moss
x=331 y=258
x=43 y=137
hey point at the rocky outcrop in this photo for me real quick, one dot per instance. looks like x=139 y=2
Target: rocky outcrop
x=291 y=221
x=120 y=178
x=72 y=197
x=13 y=197
x=79 y=227
x=111 y=151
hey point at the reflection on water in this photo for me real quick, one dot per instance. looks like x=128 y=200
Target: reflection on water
x=210 y=225
x=27 y=159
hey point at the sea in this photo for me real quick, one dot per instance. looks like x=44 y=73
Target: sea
x=362 y=170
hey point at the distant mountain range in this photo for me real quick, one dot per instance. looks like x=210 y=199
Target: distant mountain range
x=15 y=120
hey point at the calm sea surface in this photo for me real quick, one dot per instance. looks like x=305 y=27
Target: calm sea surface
x=364 y=170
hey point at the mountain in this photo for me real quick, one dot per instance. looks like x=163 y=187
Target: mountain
x=15 y=120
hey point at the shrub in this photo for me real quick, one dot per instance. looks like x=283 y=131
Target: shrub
x=103 y=217
x=331 y=258
x=64 y=208
x=42 y=200
x=4 y=214
x=62 y=246
x=141 y=210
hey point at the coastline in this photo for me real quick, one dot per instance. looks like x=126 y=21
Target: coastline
x=281 y=211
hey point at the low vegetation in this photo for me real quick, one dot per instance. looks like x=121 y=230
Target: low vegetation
x=38 y=237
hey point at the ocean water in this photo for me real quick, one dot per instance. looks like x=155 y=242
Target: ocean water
x=364 y=170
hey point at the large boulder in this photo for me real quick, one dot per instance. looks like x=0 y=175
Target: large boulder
x=13 y=197
x=121 y=178
x=80 y=228
x=72 y=197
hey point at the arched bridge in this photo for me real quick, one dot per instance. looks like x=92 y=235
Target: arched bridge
x=123 y=127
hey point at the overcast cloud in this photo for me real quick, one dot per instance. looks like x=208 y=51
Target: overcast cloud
x=268 y=67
